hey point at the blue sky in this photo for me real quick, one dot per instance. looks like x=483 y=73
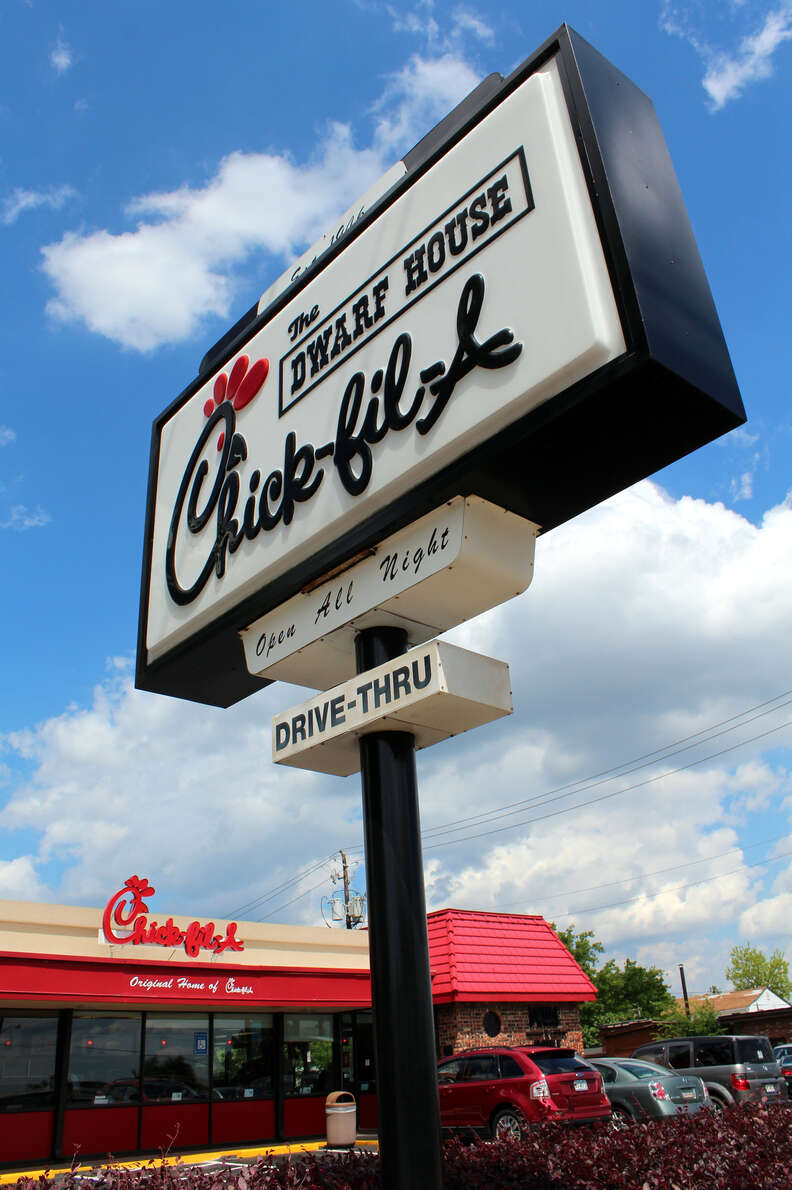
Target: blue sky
x=159 y=167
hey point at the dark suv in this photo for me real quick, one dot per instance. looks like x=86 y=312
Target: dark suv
x=733 y=1068
x=500 y=1090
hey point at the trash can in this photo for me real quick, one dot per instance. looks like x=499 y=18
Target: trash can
x=341 y=1116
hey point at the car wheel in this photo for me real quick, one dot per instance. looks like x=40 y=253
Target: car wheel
x=620 y=1118
x=717 y=1104
x=508 y=1122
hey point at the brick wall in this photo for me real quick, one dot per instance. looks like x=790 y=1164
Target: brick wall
x=461 y=1026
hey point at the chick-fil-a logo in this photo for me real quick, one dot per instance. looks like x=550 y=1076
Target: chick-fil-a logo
x=125 y=921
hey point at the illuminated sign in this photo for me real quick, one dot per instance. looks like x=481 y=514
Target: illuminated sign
x=521 y=316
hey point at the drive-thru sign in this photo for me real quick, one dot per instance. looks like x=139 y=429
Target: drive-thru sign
x=516 y=327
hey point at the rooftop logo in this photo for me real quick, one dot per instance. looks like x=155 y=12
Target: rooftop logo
x=125 y=922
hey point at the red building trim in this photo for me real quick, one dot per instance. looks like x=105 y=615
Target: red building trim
x=143 y=984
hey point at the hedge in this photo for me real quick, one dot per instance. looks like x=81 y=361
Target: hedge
x=745 y=1148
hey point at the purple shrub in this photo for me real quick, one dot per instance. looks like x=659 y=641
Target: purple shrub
x=746 y=1148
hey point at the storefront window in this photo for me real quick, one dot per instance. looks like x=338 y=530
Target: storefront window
x=367 y=1079
x=176 y=1062
x=104 y=1059
x=307 y=1054
x=243 y=1062
x=27 y=1062
x=347 y=1052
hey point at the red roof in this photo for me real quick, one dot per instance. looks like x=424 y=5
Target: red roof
x=501 y=957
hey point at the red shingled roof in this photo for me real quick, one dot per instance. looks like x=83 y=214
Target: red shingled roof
x=501 y=956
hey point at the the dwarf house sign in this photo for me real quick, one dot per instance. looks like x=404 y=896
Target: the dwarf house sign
x=523 y=317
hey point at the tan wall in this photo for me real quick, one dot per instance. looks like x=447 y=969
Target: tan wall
x=27 y=927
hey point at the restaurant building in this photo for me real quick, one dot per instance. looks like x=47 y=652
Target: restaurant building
x=122 y=1032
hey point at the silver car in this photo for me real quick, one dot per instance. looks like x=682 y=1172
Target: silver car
x=734 y=1067
x=640 y=1090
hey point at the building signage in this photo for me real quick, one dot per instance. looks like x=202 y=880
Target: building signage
x=511 y=319
x=433 y=692
x=458 y=561
x=125 y=922
x=186 y=985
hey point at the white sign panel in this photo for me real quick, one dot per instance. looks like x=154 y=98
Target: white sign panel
x=420 y=340
x=453 y=564
x=434 y=692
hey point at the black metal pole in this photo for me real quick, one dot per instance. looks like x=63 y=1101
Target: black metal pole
x=409 y=1112
x=684 y=989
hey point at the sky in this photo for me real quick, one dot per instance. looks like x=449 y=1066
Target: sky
x=160 y=166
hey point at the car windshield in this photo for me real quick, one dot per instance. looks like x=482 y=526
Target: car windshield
x=558 y=1061
x=642 y=1070
x=754 y=1049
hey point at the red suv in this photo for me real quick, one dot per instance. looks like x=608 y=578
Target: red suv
x=500 y=1090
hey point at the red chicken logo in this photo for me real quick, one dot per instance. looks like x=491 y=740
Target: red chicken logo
x=239 y=387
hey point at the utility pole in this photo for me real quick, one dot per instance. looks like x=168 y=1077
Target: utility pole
x=684 y=989
x=347 y=914
x=352 y=909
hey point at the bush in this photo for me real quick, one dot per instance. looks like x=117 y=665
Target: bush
x=744 y=1148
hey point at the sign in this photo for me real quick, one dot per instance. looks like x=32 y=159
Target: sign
x=125 y=922
x=523 y=316
x=451 y=565
x=434 y=692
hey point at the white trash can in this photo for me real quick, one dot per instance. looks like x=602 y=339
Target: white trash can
x=341 y=1117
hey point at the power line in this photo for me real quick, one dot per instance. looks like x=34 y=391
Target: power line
x=585 y=783
x=691 y=863
x=677 y=887
x=268 y=896
x=614 y=793
x=579 y=786
x=299 y=897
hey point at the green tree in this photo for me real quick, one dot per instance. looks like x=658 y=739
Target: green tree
x=676 y=1023
x=623 y=993
x=751 y=968
x=584 y=948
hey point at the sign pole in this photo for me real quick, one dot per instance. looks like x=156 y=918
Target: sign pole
x=409 y=1112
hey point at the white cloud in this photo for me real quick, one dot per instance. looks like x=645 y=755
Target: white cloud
x=18 y=880
x=649 y=620
x=21 y=518
x=742 y=487
x=729 y=72
x=447 y=37
x=159 y=282
x=61 y=57
x=6 y=435
x=21 y=200
x=471 y=22
x=768 y=919
x=127 y=776
x=418 y=20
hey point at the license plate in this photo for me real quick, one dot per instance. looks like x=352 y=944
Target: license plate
x=581 y=1084
x=771 y=1088
x=688 y=1094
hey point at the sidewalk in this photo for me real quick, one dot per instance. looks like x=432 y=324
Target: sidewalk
x=230 y=1157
